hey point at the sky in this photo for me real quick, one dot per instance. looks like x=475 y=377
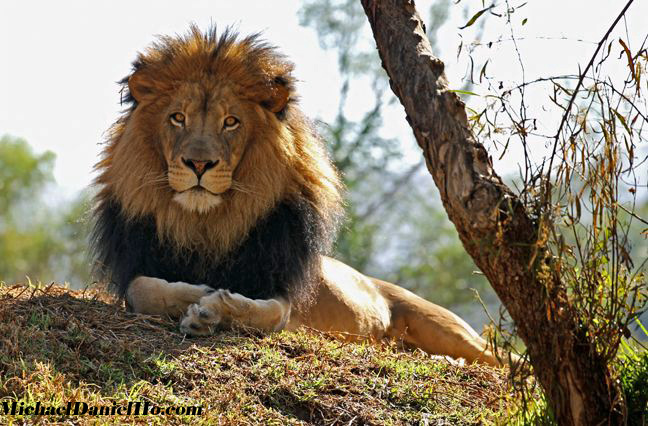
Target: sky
x=60 y=60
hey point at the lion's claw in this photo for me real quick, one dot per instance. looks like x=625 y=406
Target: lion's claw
x=198 y=321
x=201 y=318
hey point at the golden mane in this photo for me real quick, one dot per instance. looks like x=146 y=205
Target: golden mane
x=284 y=160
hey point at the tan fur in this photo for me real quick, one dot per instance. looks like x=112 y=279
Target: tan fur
x=156 y=296
x=348 y=304
x=266 y=159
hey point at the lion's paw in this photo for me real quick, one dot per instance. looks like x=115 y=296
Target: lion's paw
x=221 y=306
x=199 y=321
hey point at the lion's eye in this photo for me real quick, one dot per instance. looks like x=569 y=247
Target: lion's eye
x=177 y=119
x=231 y=122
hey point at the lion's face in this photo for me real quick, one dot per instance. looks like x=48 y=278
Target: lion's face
x=204 y=133
x=213 y=141
x=203 y=129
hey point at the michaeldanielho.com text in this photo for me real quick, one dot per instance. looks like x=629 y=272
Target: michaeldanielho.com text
x=141 y=408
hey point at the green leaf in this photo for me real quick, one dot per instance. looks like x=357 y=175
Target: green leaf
x=475 y=17
x=524 y=21
x=622 y=120
x=464 y=92
x=482 y=73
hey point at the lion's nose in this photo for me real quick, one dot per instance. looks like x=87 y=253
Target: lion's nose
x=199 y=167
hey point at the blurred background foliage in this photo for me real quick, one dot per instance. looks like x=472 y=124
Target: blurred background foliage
x=40 y=239
x=396 y=229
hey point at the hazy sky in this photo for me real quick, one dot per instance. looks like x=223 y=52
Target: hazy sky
x=61 y=59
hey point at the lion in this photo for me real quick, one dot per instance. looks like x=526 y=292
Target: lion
x=218 y=205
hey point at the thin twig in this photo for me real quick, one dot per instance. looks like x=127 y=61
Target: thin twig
x=580 y=82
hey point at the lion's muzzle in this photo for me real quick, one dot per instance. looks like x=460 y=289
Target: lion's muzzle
x=199 y=181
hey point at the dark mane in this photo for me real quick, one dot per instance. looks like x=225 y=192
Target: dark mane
x=280 y=256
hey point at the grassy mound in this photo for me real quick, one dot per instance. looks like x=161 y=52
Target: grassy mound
x=59 y=346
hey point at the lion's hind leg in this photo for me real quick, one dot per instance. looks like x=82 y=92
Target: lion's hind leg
x=224 y=308
x=155 y=296
x=433 y=328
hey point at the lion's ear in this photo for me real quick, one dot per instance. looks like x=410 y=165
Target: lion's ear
x=140 y=86
x=278 y=95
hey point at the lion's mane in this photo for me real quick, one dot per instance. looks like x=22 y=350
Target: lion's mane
x=261 y=241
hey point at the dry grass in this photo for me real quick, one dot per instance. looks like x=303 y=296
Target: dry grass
x=58 y=345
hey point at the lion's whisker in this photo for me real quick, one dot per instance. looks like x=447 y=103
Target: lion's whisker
x=157 y=181
x=238 y=186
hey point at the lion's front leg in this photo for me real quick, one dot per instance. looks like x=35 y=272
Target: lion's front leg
x=224 y=307
x=155 y=296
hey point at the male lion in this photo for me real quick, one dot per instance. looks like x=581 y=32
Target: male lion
x=218 y=204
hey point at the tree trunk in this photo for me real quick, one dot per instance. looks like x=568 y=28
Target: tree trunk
x=493 y=224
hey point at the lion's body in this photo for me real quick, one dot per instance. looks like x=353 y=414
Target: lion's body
x=219 y=202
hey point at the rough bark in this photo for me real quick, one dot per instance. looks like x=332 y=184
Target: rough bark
x=492 y=223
